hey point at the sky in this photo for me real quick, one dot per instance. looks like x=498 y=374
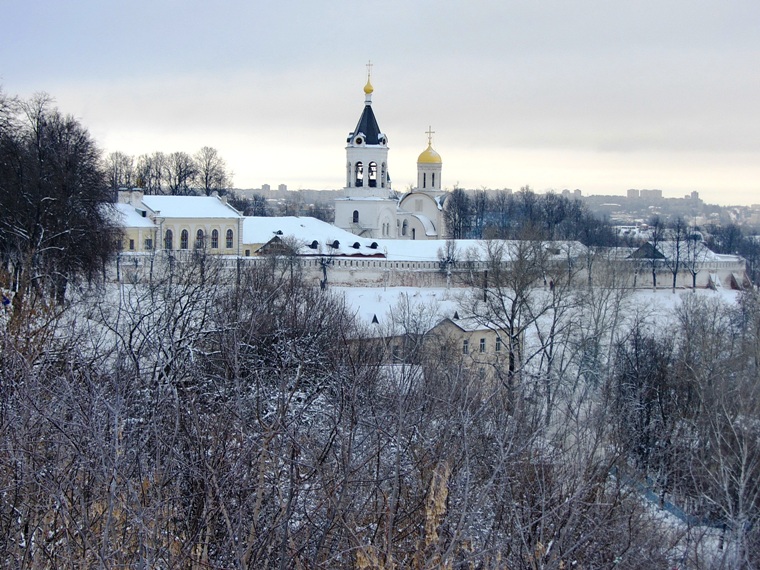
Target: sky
x=590 y=94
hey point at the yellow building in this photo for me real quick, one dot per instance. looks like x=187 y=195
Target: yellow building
x=483 y=348
x=138 y=230
x=177 y=223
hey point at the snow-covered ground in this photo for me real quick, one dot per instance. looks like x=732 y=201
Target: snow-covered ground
x=370 y=302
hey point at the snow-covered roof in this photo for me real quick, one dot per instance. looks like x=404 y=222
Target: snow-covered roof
x=468 y=249
x=127 y=216
x=670 y=249
x=304 y=231
x=362 y=199
x=469 y=324
x=427 y=223
x=190 y=207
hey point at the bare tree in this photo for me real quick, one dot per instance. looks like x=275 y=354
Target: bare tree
x=213 y=175
x=656 y=235
x=151 y=172
x=695 y=254
x=120 y=169
x=54 y=203
x=676 y=247
x=507 y=297
x=180 y=174
x=457 y=214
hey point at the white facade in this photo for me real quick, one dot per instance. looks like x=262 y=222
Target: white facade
x=368 y=207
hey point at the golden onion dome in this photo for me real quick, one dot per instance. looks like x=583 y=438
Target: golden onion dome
x=429 y=156
x=368 y=89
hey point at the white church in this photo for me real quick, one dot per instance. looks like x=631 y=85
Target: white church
x=369 y=208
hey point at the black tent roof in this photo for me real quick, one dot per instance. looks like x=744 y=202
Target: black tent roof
x=367 y=125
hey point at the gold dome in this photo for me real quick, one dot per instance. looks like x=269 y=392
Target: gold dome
x=429 y=156
x=368 y=89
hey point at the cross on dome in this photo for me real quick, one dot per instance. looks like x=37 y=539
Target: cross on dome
x=368 y=89
x=430 y=132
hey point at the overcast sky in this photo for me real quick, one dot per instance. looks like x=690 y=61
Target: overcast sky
x=597 y=95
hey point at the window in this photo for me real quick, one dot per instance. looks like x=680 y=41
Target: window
x=131 y=245
x=372 y=174
x=356 y=217
x=424 y=179
x=148 y=244
x=465 y=347
x=432 y=175
x=482 y=345
x=214 y=239
x=229 y=239
x=404 y=228
x=184 y=237
x=498 y=344
x=169 y=240
x=359 y=174
x=199 y=239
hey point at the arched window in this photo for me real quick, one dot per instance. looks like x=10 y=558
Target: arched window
x=424 y=179
x=214 y=239
x=228 y=239
x=168 y=240
x=382 y=176
x=199 y=239
x=372 y=174
x=356 y=217
x=359 y=174
x=432 y=175
x=414 y=233
x=183 y=239
x=404 y=228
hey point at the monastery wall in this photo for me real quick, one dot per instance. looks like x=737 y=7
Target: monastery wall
x=348 y=272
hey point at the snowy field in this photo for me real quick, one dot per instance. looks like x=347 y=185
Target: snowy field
x=369 y=302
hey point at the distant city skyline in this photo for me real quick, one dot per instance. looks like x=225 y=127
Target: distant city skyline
x=590 y=95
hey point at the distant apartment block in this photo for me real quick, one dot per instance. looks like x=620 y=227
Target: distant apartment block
x=650 y=194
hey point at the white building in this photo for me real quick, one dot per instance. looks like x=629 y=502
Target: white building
x=369 y=207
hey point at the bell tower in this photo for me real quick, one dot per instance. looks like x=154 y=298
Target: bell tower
x=367 y=207
x=367 y=152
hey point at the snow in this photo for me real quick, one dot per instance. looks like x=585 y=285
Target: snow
x=466 y=249
x=367 y=302
x=304 y=231
x=127 y=217
x=427 y=223
x=190 y=207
